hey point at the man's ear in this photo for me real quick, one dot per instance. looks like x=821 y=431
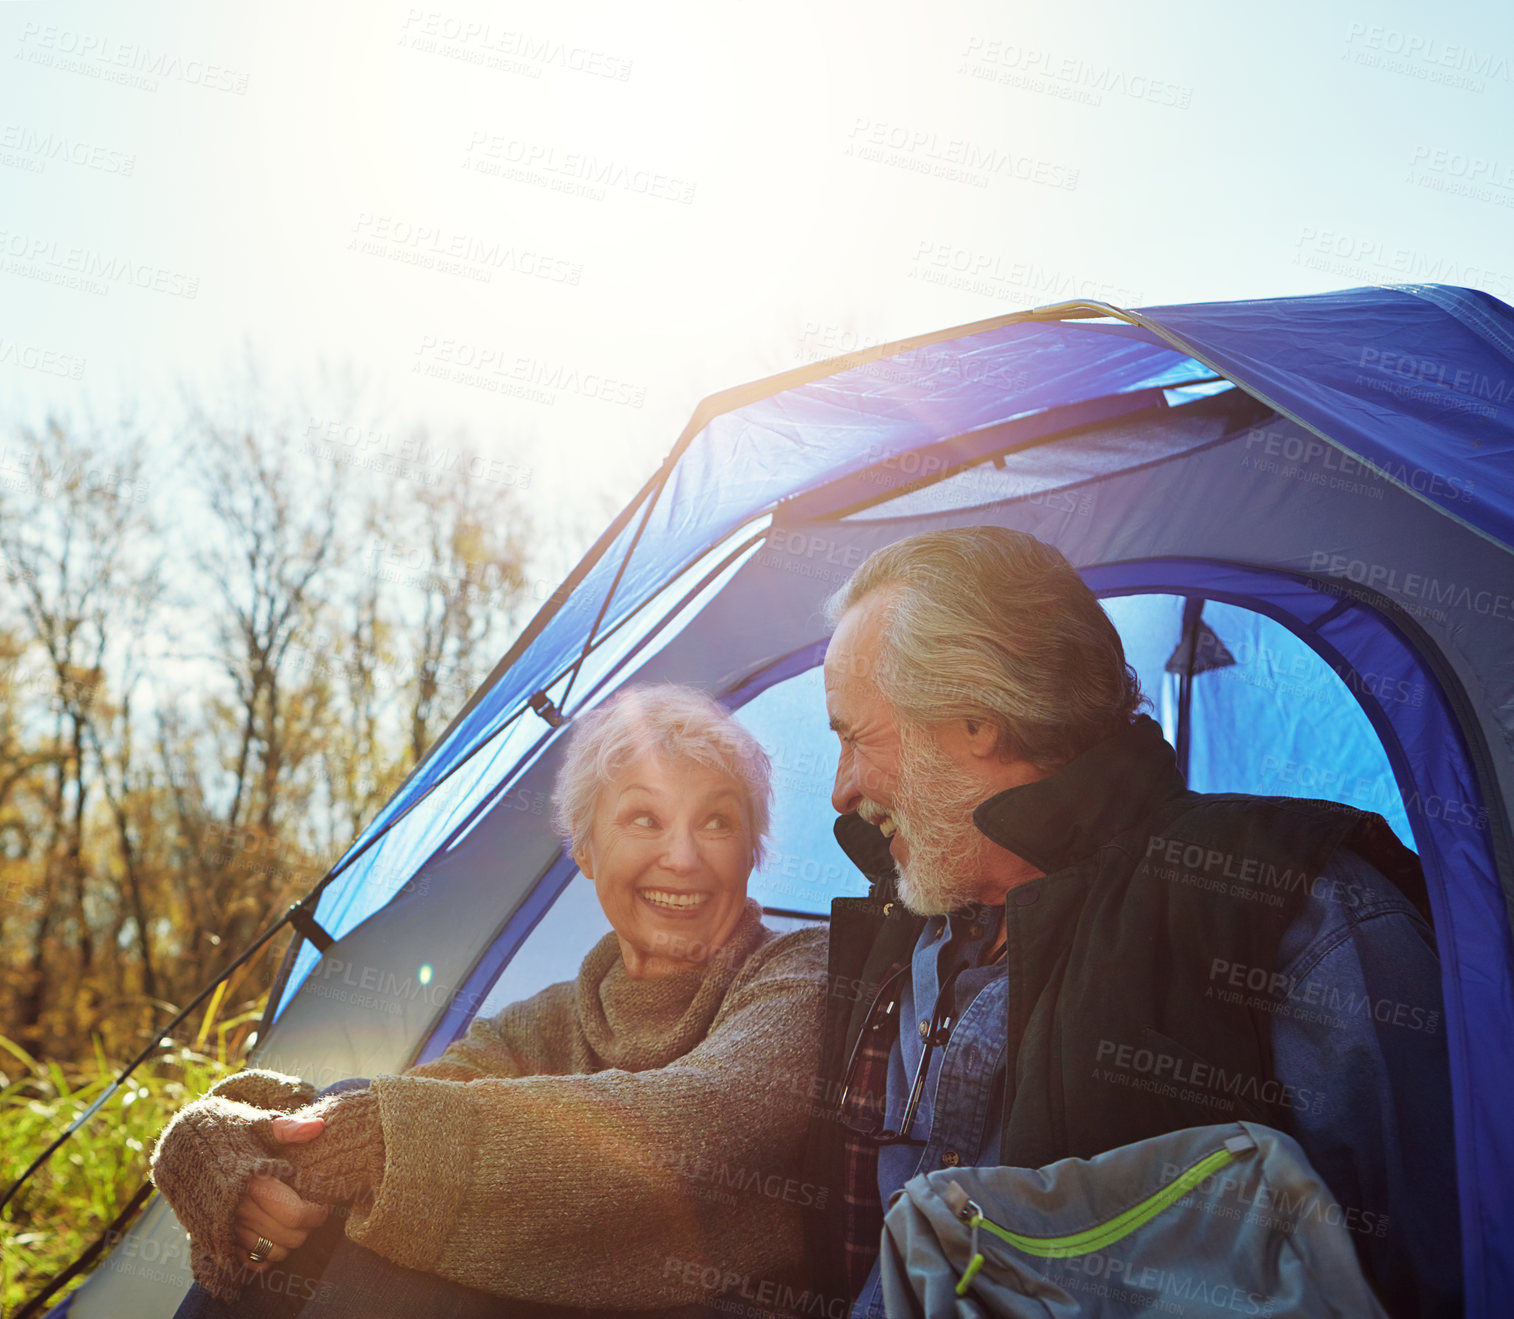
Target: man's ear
x=982 y=738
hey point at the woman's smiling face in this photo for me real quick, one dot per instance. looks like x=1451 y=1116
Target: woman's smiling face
x=669 y=853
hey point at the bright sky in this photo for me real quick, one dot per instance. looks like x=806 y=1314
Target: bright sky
x=563 y=224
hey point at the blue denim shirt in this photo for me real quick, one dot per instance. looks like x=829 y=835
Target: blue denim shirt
x=1360 y=1027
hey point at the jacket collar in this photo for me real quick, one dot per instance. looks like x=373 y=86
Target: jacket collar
x=1066 y=816
x=1056 y=820
x=867 y=849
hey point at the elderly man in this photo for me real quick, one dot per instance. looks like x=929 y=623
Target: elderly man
x=1045 y=941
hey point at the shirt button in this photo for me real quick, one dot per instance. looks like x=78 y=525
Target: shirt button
x=950 y=1158
x=924 y=1027
x=977 y=932
x=1025 y=897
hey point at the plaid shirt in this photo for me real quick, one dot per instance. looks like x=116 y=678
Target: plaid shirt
x=861 y=1204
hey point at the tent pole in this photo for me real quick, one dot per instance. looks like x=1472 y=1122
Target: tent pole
x=1193 y=611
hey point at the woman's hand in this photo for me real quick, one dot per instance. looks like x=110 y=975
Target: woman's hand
x=275 y=1210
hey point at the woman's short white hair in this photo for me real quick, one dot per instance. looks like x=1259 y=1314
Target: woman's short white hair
x=678 y=723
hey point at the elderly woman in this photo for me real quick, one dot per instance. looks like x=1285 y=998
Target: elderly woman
x=627 y=1140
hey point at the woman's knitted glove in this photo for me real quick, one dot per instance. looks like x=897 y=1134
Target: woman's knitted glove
x=264 y=1089
x=203 y=1164
x=345 y=1163
x=207 y=1156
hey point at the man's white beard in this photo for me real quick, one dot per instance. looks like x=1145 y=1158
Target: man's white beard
x=933 y=809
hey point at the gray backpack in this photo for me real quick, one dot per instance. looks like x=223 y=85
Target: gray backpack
x=1226 y=1220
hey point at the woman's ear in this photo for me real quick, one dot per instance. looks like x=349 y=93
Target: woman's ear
x=584 y=860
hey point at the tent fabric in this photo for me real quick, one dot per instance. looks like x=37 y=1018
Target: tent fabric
x=1332 y=361
x=728 y=475
x=1418 y=381
x=1380 y=549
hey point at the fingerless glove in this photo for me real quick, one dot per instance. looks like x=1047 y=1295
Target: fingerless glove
x=207 y=1156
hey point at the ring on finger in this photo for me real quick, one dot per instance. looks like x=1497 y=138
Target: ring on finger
x=261 y=1250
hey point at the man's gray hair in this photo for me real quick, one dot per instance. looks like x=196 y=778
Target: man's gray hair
x=994 y=626
x=678 y=723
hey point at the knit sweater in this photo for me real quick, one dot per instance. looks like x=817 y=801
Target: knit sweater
x=609 y=1143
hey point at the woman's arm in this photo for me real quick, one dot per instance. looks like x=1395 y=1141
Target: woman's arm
x=526 y=1039
x=231 y=1177
x=618 y=1189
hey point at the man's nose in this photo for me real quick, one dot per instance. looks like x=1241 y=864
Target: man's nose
x=846 y=794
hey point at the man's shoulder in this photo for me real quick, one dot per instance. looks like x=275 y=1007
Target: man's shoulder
x=1239 y=831
x=1346 y=902
x=1348 y=854
x=1192 y=809
x=1360 y=883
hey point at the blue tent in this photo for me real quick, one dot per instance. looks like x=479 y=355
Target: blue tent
x=1299 y=512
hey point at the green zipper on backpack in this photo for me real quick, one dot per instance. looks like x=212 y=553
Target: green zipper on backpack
x=1102 y=1234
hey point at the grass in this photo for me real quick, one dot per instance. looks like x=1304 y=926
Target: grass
x=70 y=1199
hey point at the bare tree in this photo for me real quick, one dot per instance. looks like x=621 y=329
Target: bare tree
x=442 y=584
x=72 y=540
x=266 y=548
x=198 y=713
x=475 y=537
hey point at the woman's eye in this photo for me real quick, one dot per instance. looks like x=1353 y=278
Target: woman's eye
x=644 y=821
x=718 y=822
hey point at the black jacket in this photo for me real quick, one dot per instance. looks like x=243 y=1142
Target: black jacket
x=1147 y=888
